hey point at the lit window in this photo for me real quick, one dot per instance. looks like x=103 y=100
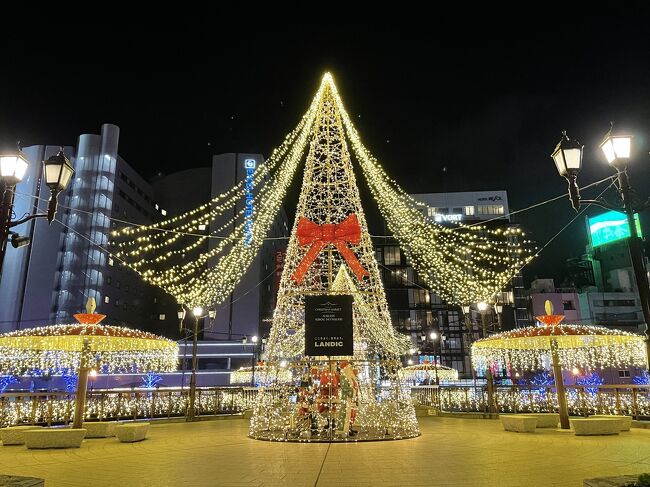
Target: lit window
x=202 y=227
x=164 y=212
x=156 y=206
x=469 y=210
x=624 y=373
x=161 y=317
x=110 y=261
x=107 y=299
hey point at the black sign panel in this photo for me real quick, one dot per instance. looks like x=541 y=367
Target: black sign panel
x=328 y=325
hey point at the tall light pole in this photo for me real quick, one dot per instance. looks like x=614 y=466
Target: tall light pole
x=255 y=340
x=470 y=334
x=197 y=312
x=57 y=173
x=617 y=148
x=434 y=337
x=485 y=310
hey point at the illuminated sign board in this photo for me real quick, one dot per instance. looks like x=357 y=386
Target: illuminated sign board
x=610 y=227
x=249 y=165
x=448 y=218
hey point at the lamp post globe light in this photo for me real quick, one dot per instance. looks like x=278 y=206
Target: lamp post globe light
x=57 y=174
x=617 y=148
x=485 y=310
x=198 y=314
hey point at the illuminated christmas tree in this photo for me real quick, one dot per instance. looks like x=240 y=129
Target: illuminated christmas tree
x=330 y=243
x=330 y=233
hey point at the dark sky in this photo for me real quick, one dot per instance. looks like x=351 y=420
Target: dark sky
x=471 y=110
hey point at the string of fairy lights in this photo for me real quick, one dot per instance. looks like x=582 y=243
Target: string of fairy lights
x=192 y=281
x=466 y=264
x=589 y=347
x=58 y=349
x=461 y=265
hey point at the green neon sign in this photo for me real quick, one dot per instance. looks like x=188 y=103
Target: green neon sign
x=611 y=227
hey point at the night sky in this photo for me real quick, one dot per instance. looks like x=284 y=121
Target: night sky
x=440 y=112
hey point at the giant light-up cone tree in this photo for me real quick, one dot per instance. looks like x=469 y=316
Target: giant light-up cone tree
x=329 y=244
x=329 y=252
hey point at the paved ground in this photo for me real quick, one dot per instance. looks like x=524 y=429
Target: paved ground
x=450 y=452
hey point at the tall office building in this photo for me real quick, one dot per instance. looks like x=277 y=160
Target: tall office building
x=69 y=261
x=242 y=314
x=415 y=310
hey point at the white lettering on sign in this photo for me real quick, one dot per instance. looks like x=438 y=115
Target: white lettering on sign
x=448 y=218
x=328 y=344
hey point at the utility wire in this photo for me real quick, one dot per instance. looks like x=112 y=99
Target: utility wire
x=221 y=237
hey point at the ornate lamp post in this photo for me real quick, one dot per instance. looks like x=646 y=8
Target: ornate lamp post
x=57 y=172
x=434 y=337
x=484 y=309
x=617 y=148
x=197 y=312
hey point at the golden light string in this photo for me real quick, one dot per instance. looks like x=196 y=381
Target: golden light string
x=235 y=193
x=448 y=258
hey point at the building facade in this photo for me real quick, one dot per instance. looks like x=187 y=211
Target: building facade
x=70 y=261
x=416 y=311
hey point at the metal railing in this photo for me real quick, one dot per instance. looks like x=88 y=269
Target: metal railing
x=626 y=399
x=58 y=407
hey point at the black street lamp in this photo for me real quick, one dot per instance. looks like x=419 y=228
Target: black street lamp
x=199 y=316
x=617 y=148
x=57 y=173
x=486 y=312
x=434 y=338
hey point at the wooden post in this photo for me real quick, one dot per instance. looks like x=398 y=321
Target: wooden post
x=559 y=386
x=82 y=386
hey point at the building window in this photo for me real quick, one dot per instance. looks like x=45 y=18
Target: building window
x=490 y=209
x=469 y=210
x=126 y=288
x=109 y=279
x=392 y=256
x=110 y=261
x=117 y=302
x=117 y=284
x=623 y=373
x=201 y=227
x=161 y=317
x=107 y=299
x=568 y=304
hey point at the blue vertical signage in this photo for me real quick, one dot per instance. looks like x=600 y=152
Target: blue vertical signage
x=249 y=164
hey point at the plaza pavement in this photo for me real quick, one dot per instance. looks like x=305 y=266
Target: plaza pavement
x=450 y=452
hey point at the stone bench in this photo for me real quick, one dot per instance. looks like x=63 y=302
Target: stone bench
x=626 y=421
x=131 y=432
x=520 y=423
x=16 y=481
x=545 y=420
x=99 y=429
x=54 y=438
x=596 y=426
x=13 y=435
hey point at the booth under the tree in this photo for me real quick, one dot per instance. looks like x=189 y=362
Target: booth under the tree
x=78 y=348
x=561 y=347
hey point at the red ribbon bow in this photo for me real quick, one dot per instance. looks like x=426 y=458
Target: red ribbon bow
x=319 y=236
